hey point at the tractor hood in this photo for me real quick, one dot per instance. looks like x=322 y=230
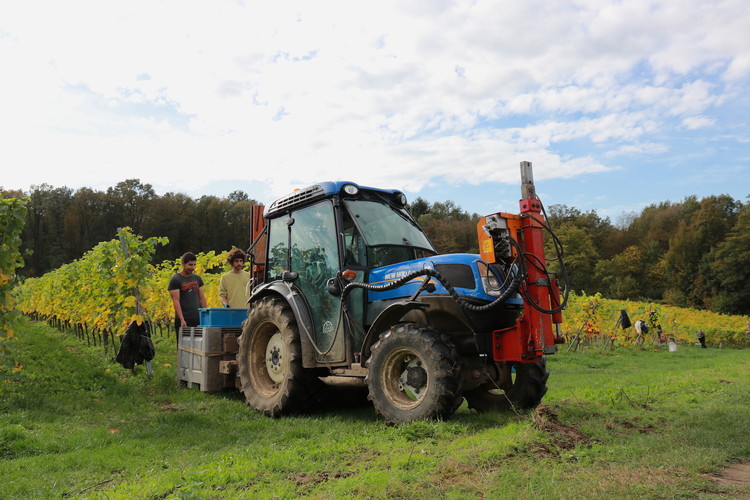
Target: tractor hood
x=461 y=270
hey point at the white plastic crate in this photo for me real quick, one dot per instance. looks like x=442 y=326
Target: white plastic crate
x=199 y=352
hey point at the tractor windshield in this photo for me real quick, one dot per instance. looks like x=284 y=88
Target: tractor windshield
x=389 y=233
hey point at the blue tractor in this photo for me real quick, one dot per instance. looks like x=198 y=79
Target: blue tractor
x=348 y=285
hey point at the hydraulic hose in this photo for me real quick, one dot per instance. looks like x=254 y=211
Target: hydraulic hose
x=465 y=304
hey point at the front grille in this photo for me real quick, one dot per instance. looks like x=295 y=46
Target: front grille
x=458 y=275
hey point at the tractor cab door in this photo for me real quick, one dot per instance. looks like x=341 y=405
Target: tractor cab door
x=305 y=242
x=355 y=259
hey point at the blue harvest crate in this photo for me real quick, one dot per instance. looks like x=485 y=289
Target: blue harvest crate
x=222 y=316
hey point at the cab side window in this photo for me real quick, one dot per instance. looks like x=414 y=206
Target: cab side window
x=278 y=248
x=354 y=244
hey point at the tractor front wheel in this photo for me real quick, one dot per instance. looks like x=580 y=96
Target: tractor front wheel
x=514 y=385
x=269 y=360
x=414 y=374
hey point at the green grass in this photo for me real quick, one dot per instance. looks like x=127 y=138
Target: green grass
x=621 y=424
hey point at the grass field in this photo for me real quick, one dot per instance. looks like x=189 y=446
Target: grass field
x=621 y=424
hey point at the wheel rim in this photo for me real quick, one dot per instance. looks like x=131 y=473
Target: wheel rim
x=404 y=379
x=267 y=356
x=274 y=359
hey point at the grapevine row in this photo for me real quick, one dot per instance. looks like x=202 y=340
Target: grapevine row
x=100 y=292
x=97 y=293
x=593 y=317
x=12 y=218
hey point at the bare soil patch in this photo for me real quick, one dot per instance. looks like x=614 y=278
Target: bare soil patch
x=168 y=407
x=643 y=429
x=561 y=435
x=737 y=475
x=304 y=479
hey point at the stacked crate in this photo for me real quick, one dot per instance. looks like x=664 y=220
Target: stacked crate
x=201 y=349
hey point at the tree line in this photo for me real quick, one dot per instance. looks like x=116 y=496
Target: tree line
x=63 y=224
x=692 y=253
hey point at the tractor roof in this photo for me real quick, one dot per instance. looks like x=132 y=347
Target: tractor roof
x=305 y=196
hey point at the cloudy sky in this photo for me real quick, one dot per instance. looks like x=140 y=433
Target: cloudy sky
x=618 y=104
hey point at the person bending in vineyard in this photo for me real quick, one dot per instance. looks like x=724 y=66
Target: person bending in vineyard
x=233 y=285
x=186 y=289
x=702 y=338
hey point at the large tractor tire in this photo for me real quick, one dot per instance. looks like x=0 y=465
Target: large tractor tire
x=413 y=374
x=270 y=362
x=517 y=385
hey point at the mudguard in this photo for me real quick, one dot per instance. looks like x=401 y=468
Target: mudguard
x=301 y=310
x=387 y=318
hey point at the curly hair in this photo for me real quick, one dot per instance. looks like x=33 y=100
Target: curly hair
x=236 y=253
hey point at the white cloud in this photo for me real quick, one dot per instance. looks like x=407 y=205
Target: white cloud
x=646 y=148
x=401 y=94
x=697 y=122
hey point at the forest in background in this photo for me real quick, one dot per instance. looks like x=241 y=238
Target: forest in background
x=692 y=253
x=63 y=224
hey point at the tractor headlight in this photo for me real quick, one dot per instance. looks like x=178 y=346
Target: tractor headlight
x=351 y=189
x=490 y=284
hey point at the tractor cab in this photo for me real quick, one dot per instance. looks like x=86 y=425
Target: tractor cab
x=317 y=233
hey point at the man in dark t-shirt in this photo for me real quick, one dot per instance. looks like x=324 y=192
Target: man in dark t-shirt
x=186 y=289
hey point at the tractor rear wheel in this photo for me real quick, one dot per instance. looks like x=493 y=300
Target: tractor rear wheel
x=515 y=385
x=414 y=374
x=270 y=362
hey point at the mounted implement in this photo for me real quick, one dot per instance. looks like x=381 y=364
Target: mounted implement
x=350 y=286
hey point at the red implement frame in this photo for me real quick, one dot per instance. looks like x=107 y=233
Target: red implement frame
x=259 y=240
x=533 y=335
